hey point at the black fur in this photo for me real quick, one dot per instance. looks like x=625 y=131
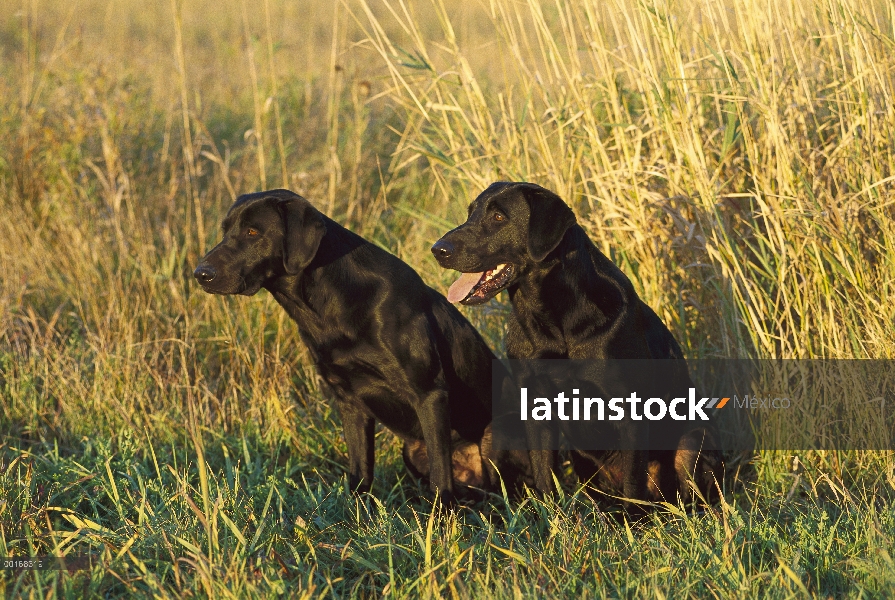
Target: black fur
x=391 y=348
x=570 y=301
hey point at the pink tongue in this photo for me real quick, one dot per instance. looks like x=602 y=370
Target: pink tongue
x=460 y=288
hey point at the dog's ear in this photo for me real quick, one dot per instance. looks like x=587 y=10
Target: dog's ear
x=549 y=219
x=303 y=230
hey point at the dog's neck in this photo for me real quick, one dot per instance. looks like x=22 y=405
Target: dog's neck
x=305 y=295
x=574 y=272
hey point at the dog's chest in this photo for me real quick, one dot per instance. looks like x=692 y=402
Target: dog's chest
x=533 y=338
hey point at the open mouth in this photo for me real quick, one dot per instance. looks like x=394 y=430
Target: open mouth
x=242 y=290
x=477 y=288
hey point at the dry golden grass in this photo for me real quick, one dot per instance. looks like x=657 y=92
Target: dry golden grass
x=767 y=124
x=734 y=158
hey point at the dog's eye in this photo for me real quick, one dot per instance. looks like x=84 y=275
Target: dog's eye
x=499 y=218
x=251 y=232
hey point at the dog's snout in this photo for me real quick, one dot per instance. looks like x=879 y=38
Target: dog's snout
x=204 y=273
x=442 y=249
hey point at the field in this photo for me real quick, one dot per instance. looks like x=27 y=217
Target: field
x=734 y=158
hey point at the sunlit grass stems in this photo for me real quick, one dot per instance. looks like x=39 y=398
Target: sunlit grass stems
x=734 y=159
x=767 y=124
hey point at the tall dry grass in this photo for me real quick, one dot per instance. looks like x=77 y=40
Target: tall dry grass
x=734 y=158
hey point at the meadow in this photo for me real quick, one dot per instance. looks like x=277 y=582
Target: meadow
x=735 y=158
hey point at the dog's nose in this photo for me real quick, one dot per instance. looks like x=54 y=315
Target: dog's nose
x=204 y=273
x=442 y=249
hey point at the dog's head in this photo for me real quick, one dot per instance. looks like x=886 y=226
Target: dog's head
x=267 y=234
x=510 y=228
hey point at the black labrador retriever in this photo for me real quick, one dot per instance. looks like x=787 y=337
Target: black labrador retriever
x=391 y=348
x=570 y=301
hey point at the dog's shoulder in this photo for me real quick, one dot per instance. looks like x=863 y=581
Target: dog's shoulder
x=593 y=278
x=661 y=341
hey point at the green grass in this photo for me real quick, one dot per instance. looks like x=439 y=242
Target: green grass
x=270 y=521
x=734 y=158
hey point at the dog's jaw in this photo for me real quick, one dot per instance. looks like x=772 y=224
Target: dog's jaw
x=250 y=290
x=491 y=283
x=244 y=289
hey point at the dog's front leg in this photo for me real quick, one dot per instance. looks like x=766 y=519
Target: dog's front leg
x=634 y=467
x=436 y=424
x=359 y=431
x=542 y=441
x=634 y=475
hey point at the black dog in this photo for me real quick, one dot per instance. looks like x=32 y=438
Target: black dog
x=570 y=301
x=391 y=348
